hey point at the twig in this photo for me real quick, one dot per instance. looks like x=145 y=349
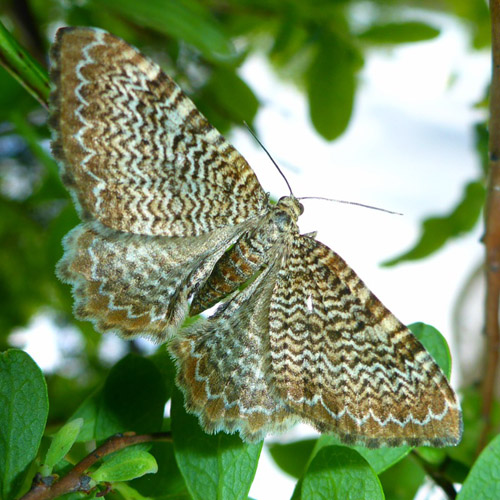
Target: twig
x=436 y=474
x=492 y=236
x=76 y=479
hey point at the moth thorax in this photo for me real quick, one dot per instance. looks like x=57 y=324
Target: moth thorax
x=291 y=206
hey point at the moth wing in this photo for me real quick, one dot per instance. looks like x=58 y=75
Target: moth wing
x=135 y=284
x=223 y=366
x=134 y=151
x=341 y=361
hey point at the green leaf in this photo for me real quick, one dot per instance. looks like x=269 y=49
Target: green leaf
x=25 y=281
x=284 y=38
x=181 y=19
x=132 y=399
x=293 y=457
x=403 y=480
x=23 y=67
x=23 y=413
x=87 y=411
x=164 y=364
x=229 y=93
x=340 y=473
x=380 y=459
x=450 y=469
x=128 y=493
x=125 y=465
x=12 y=91
x=435 y=343
x=217 y=466
x=436 y=231
x=483 y=480
x=476 y=15
x=331 y=85
x=168 y=481
x=62 y=442
x=395 y=33
x=471 y=403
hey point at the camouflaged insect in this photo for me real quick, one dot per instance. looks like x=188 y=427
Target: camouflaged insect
x=162 y=197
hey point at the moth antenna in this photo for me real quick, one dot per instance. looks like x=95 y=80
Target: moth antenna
x=270 y=157
x=350 y=203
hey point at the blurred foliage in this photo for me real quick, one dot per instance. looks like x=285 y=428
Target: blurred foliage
x=320 y=46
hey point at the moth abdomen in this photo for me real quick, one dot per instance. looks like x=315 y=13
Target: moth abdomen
x=235 y=267
x=245 y=258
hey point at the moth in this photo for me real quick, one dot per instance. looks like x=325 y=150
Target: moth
x=174 y=220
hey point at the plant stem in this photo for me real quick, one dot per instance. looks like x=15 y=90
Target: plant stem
x=435 y=472
x=26 y=70
x=492 y=235
x=76 y=479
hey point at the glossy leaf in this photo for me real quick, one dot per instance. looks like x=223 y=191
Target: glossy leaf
x=472 y=403
x=63 y=441
x=168 y=480
x=23 y=413
x=435 y=343
x=403 y=480
x=380 y=459
x=164 y=364
x=87 y=411
x=132 y=399
x=483 y=480
x=216 y=466
x=12 y=91
x=293 y=458
x=126 y=464
x=340 y=473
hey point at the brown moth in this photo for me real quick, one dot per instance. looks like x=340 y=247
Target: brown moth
x=174 y=220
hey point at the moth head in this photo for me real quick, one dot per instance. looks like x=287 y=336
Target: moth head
x=291 y=205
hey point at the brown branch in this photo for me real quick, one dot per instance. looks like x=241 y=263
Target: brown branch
x=77 y=480
x=492 y=235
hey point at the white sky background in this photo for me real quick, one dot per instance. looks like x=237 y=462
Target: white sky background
x=409 y=148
